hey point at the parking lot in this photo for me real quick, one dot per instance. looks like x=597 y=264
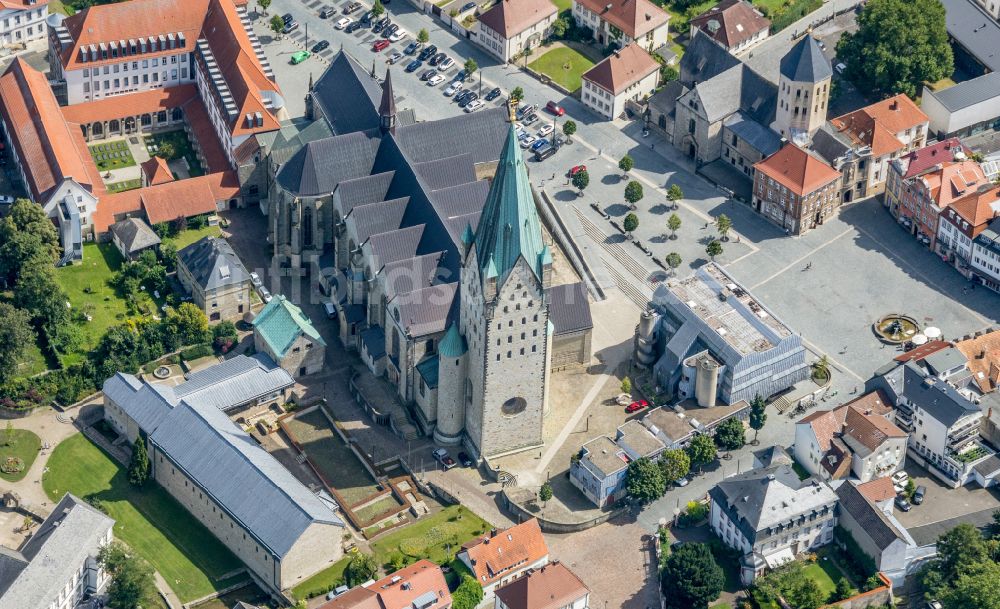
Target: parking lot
x=944 y=507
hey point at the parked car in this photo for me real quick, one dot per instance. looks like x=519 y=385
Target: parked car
x=918 y=495
x=396 y=56
x=899 y=480
x=902 y=503
x=353 y=27
x=412 y=48
x=575 y=169
x=446 y=63
x=342 y=23
x=840 y=67
x=441 y=456
x=465 y=460
x=380 y=45
x=461 y=96
x=531 y=119
x=397 y=35
x=429 y=74
x=319 y=46
x=495 y=93
x=545 y=129
x=637 y=405
x=300 y=56
x=287 y=18
x=265 y=294
x=350 y=8
x=682 y=482
x=366 y=19
x=332 y=594
x=380 y=25
x=427 y=53
x=290 y=27
x=414 y=65
x=525 y=110
x=527 y=141
x=555 y=108
x=468 y=6
x=327 y=12
x=539 y=143
x=461 y=76
x=255 y=280
x=389 y=30
x=468 y=100
x=435 y=80
x=453 y=88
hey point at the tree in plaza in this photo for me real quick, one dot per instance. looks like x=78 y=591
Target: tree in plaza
x=545 y=493
x=517 y=94
x=730 y=435
x=569 y=128
x=16 y=334
x=675 y=464
x=758 y=416
x=898 y=46
x=580 y=180
x=377 y=9
x=264 y=5
x=138 y=468
x=675 y=194
x=673 y=260
x=360 y=569
x=723 y=224
x=423 y=36
x=633 y=193
x=132 y=584
x=644 y=480
x=673 y=223
x=714 y=249
x=468 y=594
x=626 y=385
x=691 y=578
x=277 y=26
x=626 y=163
x=701 y=451
x=470 y=67
x=821 y=368
x=630 y=223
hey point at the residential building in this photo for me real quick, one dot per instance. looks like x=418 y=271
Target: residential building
x=964 y=109
x=509 y=27
x=715 y=342
x=901 y=188
x=621 y=22
x=925 y=197
x=734 y=24
x=132 y=236
x=676 y=426
x=219 y=284
x=285 y=333
x=877 y=532
x=57 y=566
x=418 y=586
x=942 y=420
x=553 y=586
x=277 y=527
x=599 y=471
x=796 y=190
x=961 y=222
x=855 y=440
x=771 y=516
x=22 y=21
x=986 y=256
x=628 y=74
x=982 y=350
x=502 y=556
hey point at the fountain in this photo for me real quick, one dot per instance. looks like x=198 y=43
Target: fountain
x=895 y=328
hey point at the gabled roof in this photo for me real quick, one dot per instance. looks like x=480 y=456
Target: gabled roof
x=133 y=104
x=704 y=58
x=496 y=556
x=134 y=234
x=281 y=323
x=983 y=354
x=968 y=93
x=551 y=587
x=979 y=207
x=937 y=398
x=348 y=95
x=805 y=62
x=622 y=69
x=797 y=170
x=419 y=586
x=168 y=201
x=155 y=171
x=569 y=308
x=875 y=523
x=731 y=22
x=877 y=125
x=921 y=160
x=877 y=490
x=511 y=17
x=635 y=18
x=317 y=168
x=213 y=263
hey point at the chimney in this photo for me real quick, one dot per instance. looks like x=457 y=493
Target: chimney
x=894 y=105
x=493 y=532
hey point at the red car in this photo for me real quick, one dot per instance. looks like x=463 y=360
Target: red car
x=576 y=169
x=636 y=406
x=555 y=108
x=380 y=45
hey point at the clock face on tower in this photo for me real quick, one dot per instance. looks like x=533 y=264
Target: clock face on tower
x=513 y=406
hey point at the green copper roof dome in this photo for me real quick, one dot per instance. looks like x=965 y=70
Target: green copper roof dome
x=452 y=344
x=509 y=227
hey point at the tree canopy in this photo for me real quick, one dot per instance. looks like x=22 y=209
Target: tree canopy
x=15 y=335
x=730 y=434
x=644 y=480
x=701 y=451
x=714 y=249
x=758 y=414
x=360 y=569
x=899 y=45
x=633 y=192
x=675 y=464
x=138 y=468
x=673 y=223
x=673 y=260
x=581 y=180
x=691 y=578
x=468 y=594
x=626 y=164
x=630 y=223
x=132 y=585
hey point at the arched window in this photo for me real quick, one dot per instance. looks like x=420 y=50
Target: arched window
x=97 y=129
x=114 y=126
x=177 y=114
x=307 y=227
x=145 y=120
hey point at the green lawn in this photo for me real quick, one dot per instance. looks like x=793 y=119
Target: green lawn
x=825 y=574
x=182 y=148
x=22 y=444
x=322 y=582
x=150 y=521
x=189 y=236
x=563 y=5
x=563 y=65
x=112 y=155
x=437 y=537
x=124 y=185
x=32 y=361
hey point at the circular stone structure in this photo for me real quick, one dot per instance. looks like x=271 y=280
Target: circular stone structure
x=161 y=372
x=12 y=465
x=895 y=328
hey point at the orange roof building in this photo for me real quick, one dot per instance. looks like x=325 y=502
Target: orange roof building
x=961 y=222
x=553 y=586
x=735 y=24
x=511 y=25
x=503 y=555
x=167 y=201
x=422 y=584
x=627 y=74
x=796 y=190
x=983 y=352
x=624 y=21
x=155 y=171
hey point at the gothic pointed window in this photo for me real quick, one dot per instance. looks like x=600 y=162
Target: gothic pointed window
x=307 y=227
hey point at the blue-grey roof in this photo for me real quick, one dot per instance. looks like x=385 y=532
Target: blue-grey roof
x=703 y=59
x=974 y=30
x=213 y=264
x=875 y=523
x=480 y=134
x=234 y=382
x=761 y=138
x=396 y=245
x=805 y=62
x=134 y=234
x=363 y=190
x=373 y=339
x=293 y=135
x=148 y=403
x=969 y=93
x=317 y=168
x=428 y=370
x=936 y=397
x=403 y=276
x=348 y=95
x=990 y=237
x=448 y=171
x=381 y=217
x=426 y=311
x=569 y=308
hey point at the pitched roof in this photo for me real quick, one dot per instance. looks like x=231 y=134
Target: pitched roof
x=875 y=523
x=928 y=157
x=387 y=105
x=731 y=22
x=866 y=433
x=213 y=263
x=978 y=208
x=761 y=137
x=937 y=398
x=973 y=29
x=635 y=18
x=878 y=490
x=983 y=353
x=348 y=95
x=551 y=587
x=797 y=170
x=418 y=586
x=452 y=343
x=569 y=308
x=923 y=351
x=168 y=201
x=704 y=58
x=320 y=165
x=511 y=17
x=877 y=125
x=805 y=62
x=133 y=104
x=281 y=323
x=622 y=69
x=156 y=171
x=968 y=93
x=495 y=556
x=134 y=234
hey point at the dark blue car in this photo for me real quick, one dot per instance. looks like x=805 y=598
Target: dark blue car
x=414 y=65
x=468 y=6
x=539 y=143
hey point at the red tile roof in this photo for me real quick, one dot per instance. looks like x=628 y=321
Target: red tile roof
x=797 y=170
x=877 y=125
x=922 y=351
x=551 y=587
x=927 y=157
x=155 y=171
x=133 y=104
x=44 y=142
x=397 y=590
x=166 y=202
x=983 y=353
x=979 y=207
x=874 y=403
x=736 y=21
x=511 y=17
x=635 y=18
x=622 y=69
x=952 y=181
x=877 y=490
x=197 y=119
x=496 y=556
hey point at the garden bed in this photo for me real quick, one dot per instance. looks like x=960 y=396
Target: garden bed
x=20 y=447
x=111 y=155
x=180 y=147
x=563 y=65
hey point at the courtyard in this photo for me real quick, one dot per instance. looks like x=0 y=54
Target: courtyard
x=564 y=64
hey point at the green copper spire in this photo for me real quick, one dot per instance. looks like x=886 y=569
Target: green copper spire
x=509 y=227
x=452 y=344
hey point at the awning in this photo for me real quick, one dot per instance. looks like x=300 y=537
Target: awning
x=779 y=558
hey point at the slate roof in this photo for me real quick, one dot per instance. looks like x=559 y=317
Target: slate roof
x=317 y=168
x=569 y=308
x=359 y=191
x=447 y=171
x=735 y=22
x=373 y=338
x=348 y=96
x=426 y=310
x=234 y=382
x=935 y=397
x=703 y=59
x=403 y=276
x=968 y=93
x=872 y=520
x=738 y=88
x=375 y=218
x=763 y=139
x=134 y=234
x=974 y=30
x=480 y=134
x=213 y=263
x=280 y=323
x=34 y=578
x=805 y=62
x=293 y=135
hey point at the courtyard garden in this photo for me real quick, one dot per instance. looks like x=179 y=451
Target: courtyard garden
x=124 y=185
x=149 y=520
x=173 y=145
x=563 y=64
x=111 y=155
x=18 y=449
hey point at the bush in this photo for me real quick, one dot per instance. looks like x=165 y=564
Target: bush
x=193 y=353
x=695 y=513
